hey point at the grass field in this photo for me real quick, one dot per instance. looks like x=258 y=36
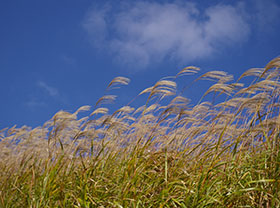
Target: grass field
x=221 y=152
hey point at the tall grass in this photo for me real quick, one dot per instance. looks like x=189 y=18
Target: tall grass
x=222 y=152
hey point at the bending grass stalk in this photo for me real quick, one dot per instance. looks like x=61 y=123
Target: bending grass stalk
x=165 y=154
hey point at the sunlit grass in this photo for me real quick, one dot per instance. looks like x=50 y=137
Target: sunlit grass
x=166 y=153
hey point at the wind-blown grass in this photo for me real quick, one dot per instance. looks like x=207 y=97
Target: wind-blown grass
x=213 y=154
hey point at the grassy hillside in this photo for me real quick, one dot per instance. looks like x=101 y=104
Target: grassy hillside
x=221 y=152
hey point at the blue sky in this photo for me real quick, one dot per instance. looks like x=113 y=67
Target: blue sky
x=61 y=54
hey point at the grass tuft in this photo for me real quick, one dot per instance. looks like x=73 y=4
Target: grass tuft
x=222 y=152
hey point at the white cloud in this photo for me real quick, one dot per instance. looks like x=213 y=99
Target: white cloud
x=50 y=90
x=225 y=24
x=96 y=24
x=143 y=33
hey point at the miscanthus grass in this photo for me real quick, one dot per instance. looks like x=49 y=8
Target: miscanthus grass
x=222 y=152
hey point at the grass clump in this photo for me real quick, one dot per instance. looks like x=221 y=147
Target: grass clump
x=167 y=153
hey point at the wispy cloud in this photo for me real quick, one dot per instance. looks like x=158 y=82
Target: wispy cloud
x=266 y=15
x=141 y=33
x=44 y=95
x=35 y=103
x=68 y=59
x=50 y=90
